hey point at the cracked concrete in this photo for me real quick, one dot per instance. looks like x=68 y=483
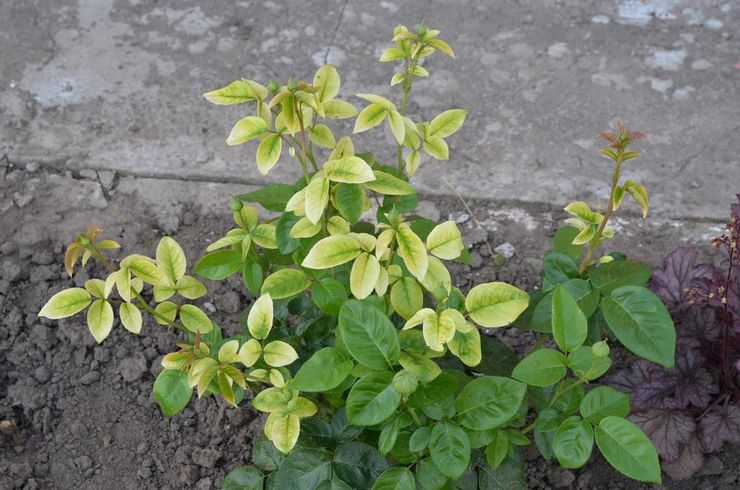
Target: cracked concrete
x=115 y=85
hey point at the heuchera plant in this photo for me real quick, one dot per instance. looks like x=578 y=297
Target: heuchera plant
x=693 y=409
x=366 y=359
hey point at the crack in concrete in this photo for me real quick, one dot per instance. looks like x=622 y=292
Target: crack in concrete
x=336 y=30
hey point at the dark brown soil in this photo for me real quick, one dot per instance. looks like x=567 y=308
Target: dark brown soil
x=83 y=416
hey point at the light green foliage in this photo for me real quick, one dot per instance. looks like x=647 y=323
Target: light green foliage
x=366 y=358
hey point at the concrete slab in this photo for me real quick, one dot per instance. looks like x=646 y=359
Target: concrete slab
x=116 y=84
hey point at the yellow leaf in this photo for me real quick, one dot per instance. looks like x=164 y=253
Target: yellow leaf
x=66 y=303
x=171 y=259
x=438 y=330
x=304 y=228
x=190 y=288
x=364 y=275
x=344 y=148
x=412 y=251
x=395 y=121
x=349 y=169
x=130 y=317
x=249 y=352
x=246 y=129
x=284 y=431
x=445 y=241
x=331 y=252
x=495 y=304
x=317 y=196
x=195 y=319
x=297 y=203
x=418 y=318
x=228 y=351
x=96 y=287
x=264 y=236
x=466 y=346
x=381 y=286
x=167 y=310
x=369 y=117
x=639 y=194
x=406 y=297
x=234 y=93
x=336 y=225
x=259 y=320
x=278 y=353
x=328 y=82
x=339 y=109
x=100 y=319
x=447 y=123
x=268 y=152
x=321 y=135
x=437 y=280
x=390 y=185
x=436 y=147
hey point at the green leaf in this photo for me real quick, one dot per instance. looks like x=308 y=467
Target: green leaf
x=628 y=449
x=323 y=371
x=172 y=392
x=219 y=265
x=573 y=442
x=604 y=401
x=542 y=367
x=586 y=366
x=369 y=335
x=407 y=297
x=265 y=455
x=286 y=243
x=234 y=93
x=349 y=199
x=641 y=323
x=467 y=347
x=285 y=283
x=100 y=319
x=449 y=448
x=587 y=299
x=252 y=276
x=639 y=194
x=563 y=242
x=559 y=267
x=617 y=273
x=268 y=152
x=171 y=259
x=130 y=317
x=195 y=319
x=272 y=197
x=497 y=449
x=303 y=469
x=430 y=477
x=569 y=326
x=389 y=185
x=447 y=123
x=508 y=476
x=332 y=251
x=246 y=129
x=369 y=117
x=496 y=357
x=329 y=295
x=321 y=135
x=495 y=304
x=243 y=478
x=489 y=401
x=398 y=478
x=372 y=399
x=66 y=303
x=358 y=464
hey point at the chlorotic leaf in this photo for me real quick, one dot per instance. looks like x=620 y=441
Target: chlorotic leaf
x=285 y=283
x=447 y=123
x=445 y=241
x=66 y=303
x=278 y=353
x=195 y=319
x=364 y=275
x=412 y=251
x=246 y=129
x=171 y=259
x=268 y=152
x=259 y=320
x=495 y=304
x=130 y=317
x=331 y=252
x=100 y=319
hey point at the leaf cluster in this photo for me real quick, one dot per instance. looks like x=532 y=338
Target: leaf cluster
x=369 y=363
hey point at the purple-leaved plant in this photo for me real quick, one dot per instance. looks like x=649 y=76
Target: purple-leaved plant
x=694 y=409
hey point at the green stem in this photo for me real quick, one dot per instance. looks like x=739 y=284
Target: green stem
x=408 y=77
x=142 y=303
x=562 y=391
x=596 y=241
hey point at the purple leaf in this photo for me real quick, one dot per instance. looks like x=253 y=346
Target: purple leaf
x=697 y=325
x=669 y=430
x=678 y=274
x=689 y=462
x=720 y=425
x=654 y=388
x=630 y=379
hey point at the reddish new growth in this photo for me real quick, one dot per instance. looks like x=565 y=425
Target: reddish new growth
x=621 y=140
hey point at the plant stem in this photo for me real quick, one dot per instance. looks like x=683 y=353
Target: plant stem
x=408 y=77
x=594 y=243
x=726 y=370
x=562 y=391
